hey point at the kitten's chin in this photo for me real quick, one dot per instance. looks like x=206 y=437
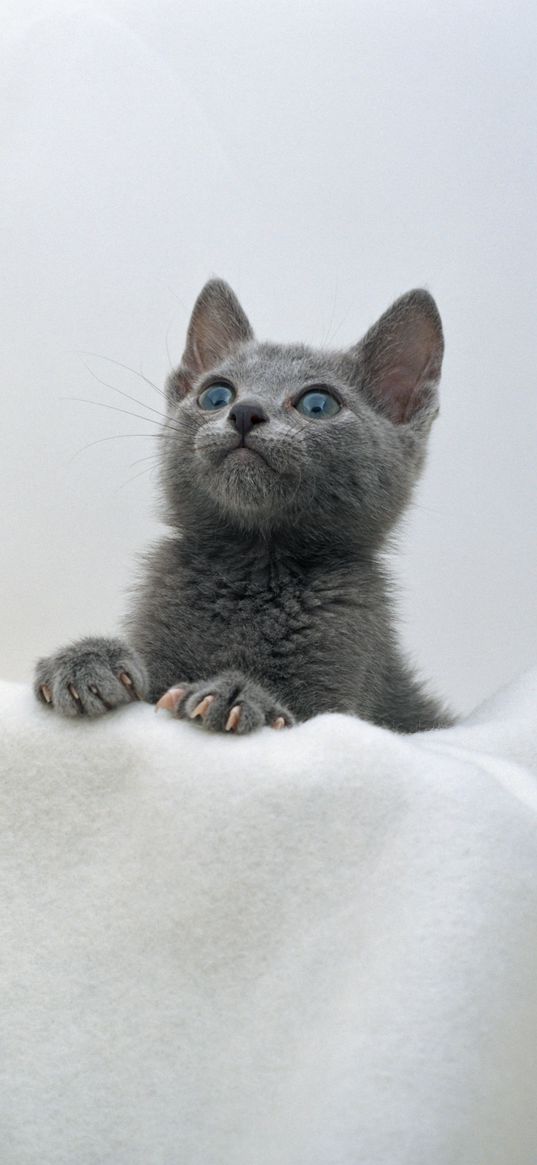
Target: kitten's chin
x=243 y=485
x=244 y=455
x=246 y=472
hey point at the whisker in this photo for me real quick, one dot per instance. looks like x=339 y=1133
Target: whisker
x=140 y=459
x=332 y=313
x=126 y=367
x=174 y=295
x=117 y=437
x=427 y=509
x=130 y=481
x=330 y=338
x=100 y=404
x=166 y=342
x=122 y=393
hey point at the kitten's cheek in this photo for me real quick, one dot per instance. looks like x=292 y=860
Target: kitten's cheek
x=208 y=457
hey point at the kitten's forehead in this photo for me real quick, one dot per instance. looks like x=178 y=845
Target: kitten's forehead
x=277 y=369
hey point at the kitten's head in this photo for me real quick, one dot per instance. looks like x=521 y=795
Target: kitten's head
x=285 y=438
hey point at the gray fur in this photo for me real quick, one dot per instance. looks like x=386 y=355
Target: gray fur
x=271 y=579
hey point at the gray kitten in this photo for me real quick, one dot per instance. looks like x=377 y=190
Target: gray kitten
x=283 y=469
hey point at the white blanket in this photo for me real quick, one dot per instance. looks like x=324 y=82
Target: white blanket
x=307 y=947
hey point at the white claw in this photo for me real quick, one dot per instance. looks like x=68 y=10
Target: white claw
x=202 y=707
x=128 y=683
x=171 y=699
x=233 y=718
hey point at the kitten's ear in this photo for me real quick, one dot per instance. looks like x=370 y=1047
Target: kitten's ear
x=399 y=360
x=217 y=325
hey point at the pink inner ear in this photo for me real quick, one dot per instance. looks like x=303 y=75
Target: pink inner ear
x=217 y=325
x=406 y=368
x=402 y=390
x=400 y=357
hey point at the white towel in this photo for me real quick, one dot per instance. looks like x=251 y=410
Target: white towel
x=307 y=947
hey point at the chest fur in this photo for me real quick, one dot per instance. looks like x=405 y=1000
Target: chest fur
x=294 y=629
x=266 y=615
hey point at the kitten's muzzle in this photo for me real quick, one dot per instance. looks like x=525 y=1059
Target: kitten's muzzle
x=245 y=415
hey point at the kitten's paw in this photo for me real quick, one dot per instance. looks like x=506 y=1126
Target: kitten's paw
x=90 y=677
x=228 y=703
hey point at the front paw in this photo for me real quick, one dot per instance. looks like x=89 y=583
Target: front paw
x=228 y=703
x=91 y=676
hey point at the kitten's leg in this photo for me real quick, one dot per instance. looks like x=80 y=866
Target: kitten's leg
x=90 y=677
x=230 y=702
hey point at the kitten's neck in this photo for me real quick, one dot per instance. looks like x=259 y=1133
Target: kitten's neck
x=302 y=550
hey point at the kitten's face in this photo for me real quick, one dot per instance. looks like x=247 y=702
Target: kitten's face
x=286 y=439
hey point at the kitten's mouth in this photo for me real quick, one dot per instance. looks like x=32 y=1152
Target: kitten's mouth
x=244 y=452
x=241 y=454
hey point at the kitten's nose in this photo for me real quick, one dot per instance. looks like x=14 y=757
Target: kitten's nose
x=245 y=415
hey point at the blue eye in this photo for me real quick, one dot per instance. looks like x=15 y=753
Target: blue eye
x=216 y=396
x=318 y=404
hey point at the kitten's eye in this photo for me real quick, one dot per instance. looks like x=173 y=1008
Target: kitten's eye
x=318 y=404
x=216 y=396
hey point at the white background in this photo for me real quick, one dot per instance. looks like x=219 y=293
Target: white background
x=323 y=157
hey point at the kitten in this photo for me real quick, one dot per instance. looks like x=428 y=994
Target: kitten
x=283 y=470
